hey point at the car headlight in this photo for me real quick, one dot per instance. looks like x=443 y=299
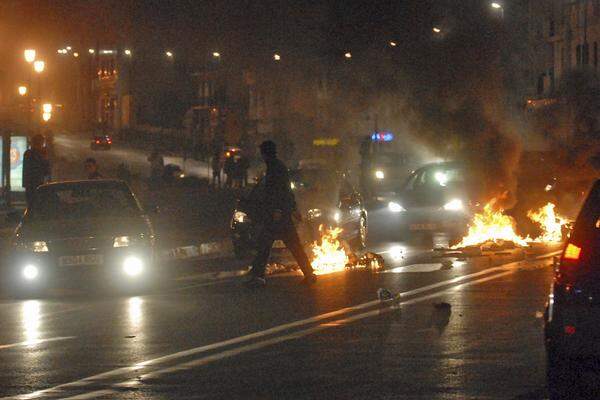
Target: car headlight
x=454 y=205
x=240 y=217
x=133 y=266
x=122 y=241
x=337 y=217
x=30 y=272
x=36 y=247
x=314 y=213
x=379 y=174
x=395 y=207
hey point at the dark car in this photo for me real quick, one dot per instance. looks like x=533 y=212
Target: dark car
x=572 y=318
x=101 y=142
x=436 y=198
x=91 y=230
x=324 y=198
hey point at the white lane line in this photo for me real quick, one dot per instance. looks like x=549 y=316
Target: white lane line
x=91 y=395
x=241 y=339
x=35 y=342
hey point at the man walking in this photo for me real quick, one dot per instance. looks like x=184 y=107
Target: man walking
x=36 y=168
x=278 y=208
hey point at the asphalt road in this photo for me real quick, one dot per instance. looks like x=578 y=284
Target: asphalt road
x=191 y=338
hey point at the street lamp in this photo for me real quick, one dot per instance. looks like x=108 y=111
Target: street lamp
x=29 y=55
x=76 y=54
x=497 y=7
x=348 y=55
x=47 y=108
x=22 y=90
x=276 y=57
x=216 y=54
x=393 y=44
x=127 y=52
x=39 y=66
x=46 y=116
x=91 y=51
x=436 y=29
x=169 y=53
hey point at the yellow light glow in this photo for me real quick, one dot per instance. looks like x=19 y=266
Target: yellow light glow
x=348 y=55
x=29 y=55
x=216 y=54
x=47 y=107
x=436 y=29
x=276 y=57
x=46 y=117
x=169 y=54
x=393 y=44
x=39 y=66
x=127 y=52
x=76 y=54
x=91 y=51
x=22 y=90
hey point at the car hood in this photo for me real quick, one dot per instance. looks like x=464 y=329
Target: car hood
x=89 y=227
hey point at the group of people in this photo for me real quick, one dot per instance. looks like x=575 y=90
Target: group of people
x=234 y=165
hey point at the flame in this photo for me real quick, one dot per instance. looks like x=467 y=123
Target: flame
x=491 y=226
x=550 y=222
x=329 y=256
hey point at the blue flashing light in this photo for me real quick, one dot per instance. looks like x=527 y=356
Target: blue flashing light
x=382 y=137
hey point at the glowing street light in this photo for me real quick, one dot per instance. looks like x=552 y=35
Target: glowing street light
x=47 y=108
x=436 y=29
x=29 y=55
x=46 y=116
x=39 y=66
x=22 y=90
x=348 y=55
x=76 y=54
x=276 y=57
x=69 y=48
x=169 y=53
x=393 y=44
x=127 y=52
x=91 y=51
x=216 y=54
x=497 y=6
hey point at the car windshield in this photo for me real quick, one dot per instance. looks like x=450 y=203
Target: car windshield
x=83 y=201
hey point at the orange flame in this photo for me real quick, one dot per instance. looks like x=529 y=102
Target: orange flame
x=491 y=226
x=496 y=227
x=550 y=222
x=329 y=256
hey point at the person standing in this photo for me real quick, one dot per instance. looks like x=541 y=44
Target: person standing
x=279 y=210
x=91 y=169
x=36 y=168
x=157 y=166
x=216 y=169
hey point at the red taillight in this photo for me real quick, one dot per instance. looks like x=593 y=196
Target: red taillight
x=569 y=329
x=572 y=252
x=97 y=142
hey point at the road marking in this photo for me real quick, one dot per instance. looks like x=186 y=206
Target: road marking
x=503 y=270
x=91 y=395
x=132 y=383
x=35 y=342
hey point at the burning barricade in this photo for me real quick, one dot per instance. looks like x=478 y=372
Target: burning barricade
x=492 y=229
x=330 y=254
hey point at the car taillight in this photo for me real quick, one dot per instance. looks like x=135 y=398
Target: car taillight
x=570 y=330
x=572 y=252
x=97 y=142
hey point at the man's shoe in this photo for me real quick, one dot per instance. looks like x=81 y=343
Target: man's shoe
x=308 y=280
x=255 y=282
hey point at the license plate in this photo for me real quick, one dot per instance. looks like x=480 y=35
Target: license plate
x=423 y=227
x=278 y=244
x=87 y=259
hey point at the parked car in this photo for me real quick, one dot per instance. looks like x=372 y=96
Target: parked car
x=76 y=231
x=101 y=142
x=572 y=318
x=324 y=197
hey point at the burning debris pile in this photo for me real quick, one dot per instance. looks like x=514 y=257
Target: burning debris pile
x=494 y=227
x=331 y=255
